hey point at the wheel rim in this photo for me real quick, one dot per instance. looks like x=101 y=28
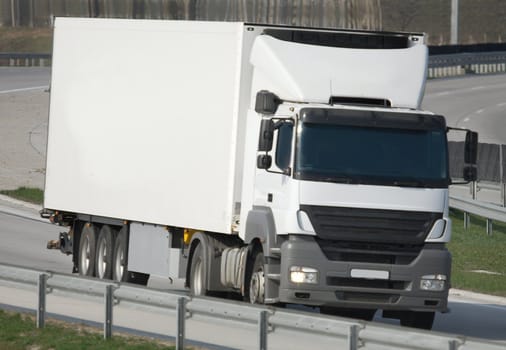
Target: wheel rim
x=102 y=258
x=119 y=265
x=197 y=278
x=85 y=256
x=256 y=288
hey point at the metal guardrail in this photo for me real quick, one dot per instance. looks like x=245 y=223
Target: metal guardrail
x=467 y=59
x=25 y=59
x=268 y=320
x=440 y=65
x=489 y=211
x=447 y=65
x=486 y=210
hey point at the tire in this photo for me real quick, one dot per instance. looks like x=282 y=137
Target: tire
x=255 y=281
x=361 y=314
x=87 y=250
x=119 y=265
x=418 y=319
x=120 y=256
x=104 y=253
x=198 y=272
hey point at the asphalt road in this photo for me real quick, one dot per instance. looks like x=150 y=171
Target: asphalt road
x=475 y=102
x=22 y=78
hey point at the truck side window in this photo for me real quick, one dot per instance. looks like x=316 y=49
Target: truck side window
x=284 y=146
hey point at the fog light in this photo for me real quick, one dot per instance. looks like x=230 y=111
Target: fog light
x=436 y=283
x=299 y=274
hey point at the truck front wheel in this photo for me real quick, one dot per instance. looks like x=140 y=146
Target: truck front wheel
x=87 y=250
x=256 y=280
x=417 y=319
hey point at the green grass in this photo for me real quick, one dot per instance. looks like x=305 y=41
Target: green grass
x=27 y=194
x=18 y=331
x=472 y=250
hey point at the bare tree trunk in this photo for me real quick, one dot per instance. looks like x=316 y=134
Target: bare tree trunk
x=13 y=14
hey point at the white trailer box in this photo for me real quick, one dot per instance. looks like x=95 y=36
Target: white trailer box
x=144 y=121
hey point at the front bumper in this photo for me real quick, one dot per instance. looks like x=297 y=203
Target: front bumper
x=336 y=287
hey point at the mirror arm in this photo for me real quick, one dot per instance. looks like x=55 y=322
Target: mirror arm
x=286 y=171
x=449 y=128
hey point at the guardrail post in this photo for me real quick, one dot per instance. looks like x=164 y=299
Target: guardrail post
x=353 y=338
x=109 y=303
x=489 y=227
x=453 y=345
x=41 y=308
x=181 y=318
x=467 y=221
x=262 y=330
x=503 y=194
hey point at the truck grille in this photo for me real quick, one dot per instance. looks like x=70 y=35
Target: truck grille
x=370 y=225
x=378 y=253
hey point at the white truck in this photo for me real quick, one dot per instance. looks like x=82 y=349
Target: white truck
x=279 y=164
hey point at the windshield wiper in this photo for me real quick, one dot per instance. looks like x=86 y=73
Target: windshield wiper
x=410 y=182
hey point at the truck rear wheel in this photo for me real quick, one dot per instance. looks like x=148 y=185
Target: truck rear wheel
x=198 y=272
x=104 y=255
x=120 y=271
x=119 y=260
x=87 y=250
x=417 y=319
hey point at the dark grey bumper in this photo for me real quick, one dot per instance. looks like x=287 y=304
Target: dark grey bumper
x=336 y=287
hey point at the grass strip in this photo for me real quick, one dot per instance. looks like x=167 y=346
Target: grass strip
x=18 y=332
x=473 y=250
x=27 y=194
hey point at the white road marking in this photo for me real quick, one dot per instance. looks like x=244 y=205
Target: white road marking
x=24 y=89
x=501 y=104
x=479 y=111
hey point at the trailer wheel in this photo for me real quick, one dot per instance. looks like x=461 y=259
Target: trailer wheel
x=256 y=280
x=87 y=250
x=418 y=319
x=104 y=255
x=198 y=272
x=120 y=271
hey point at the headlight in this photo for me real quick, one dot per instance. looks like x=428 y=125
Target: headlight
x=300 y=274
x=435 y=283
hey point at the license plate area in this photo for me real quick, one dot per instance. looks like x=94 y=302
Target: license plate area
x=370 y=274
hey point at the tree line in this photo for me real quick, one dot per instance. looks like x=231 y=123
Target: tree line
x=365 y=14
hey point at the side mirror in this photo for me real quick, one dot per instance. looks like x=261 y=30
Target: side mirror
x=266 y=135
x=264 y=161
x=470 y=173
x=471 y=148
x=266 y=102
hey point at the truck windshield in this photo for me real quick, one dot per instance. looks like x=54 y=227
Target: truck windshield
x=372 y=148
